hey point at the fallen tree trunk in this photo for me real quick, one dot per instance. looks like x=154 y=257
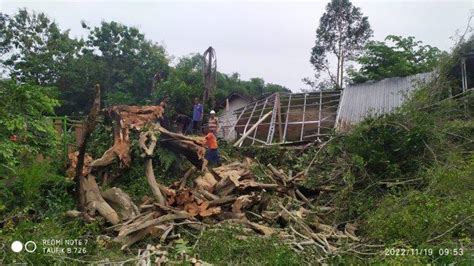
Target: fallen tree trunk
x=89 y=198
x=126 y=118
x=89 y=126
x=92 y=200
x=191 y=147
x=147 y=154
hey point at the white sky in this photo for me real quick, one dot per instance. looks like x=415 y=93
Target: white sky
x=267 y=39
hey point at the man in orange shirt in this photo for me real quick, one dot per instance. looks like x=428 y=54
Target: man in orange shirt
x=212 y=152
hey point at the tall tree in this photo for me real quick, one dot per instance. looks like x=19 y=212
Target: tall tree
x=342 y=31
x=210 y=75
x=395 y=57
x=33 y=48
x=131 y=62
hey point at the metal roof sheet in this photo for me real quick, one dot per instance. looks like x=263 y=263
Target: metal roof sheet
x=360 y=101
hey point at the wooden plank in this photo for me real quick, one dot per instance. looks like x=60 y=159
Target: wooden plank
x=235 y=124
x=250 y=118
x=320 y=109
x=257 y=140
x=245 y=135
x=260 y=116
x=271 y=130
x=304 y=116
x=286 y=120
x=280 y=135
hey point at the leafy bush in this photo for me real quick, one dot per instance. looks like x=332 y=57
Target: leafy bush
x=22 y=114
x=37 y=187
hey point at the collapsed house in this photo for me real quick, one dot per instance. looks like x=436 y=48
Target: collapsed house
x=374 y=98
x=226 y=193
x=227 y=118
x=299 y=118
x=287 y=118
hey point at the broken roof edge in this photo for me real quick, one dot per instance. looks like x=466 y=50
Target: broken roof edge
x=413 y=76
x=284 y=94
x=232 y=95
x=352 y=111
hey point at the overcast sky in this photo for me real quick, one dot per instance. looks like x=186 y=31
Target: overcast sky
x=267 y=39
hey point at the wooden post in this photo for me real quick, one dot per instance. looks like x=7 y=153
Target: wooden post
x=280 y=136
x=287 y=116
x=235 y=124
x=320 y=109
x=260 y=116
x=271 y=130
x=250 y=118
x=304 y=116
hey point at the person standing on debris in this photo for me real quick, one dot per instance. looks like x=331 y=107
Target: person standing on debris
x=212 y=154
x=213 y=122
x=197 y=116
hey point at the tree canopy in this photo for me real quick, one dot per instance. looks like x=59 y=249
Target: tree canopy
x=397 y=56
x=342 y=32
x=130 y=68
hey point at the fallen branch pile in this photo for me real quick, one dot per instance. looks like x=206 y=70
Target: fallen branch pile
x=229 y=193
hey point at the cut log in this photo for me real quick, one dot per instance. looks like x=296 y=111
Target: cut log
x=121 y=202
x=92 y=200
x=165 y=218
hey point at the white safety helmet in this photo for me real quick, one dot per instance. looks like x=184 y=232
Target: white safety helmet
x=213 y=112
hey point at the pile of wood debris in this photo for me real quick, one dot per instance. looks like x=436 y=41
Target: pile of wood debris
x=229 y=193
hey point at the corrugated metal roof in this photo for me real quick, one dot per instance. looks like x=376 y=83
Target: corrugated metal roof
x=375 y=98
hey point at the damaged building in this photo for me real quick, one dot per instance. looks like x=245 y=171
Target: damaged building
x=287 y=118
x=299 y=118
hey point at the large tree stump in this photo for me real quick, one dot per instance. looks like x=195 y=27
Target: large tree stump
x=91 y=200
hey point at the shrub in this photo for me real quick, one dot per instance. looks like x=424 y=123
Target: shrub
x=418 y=216
x=23 y=114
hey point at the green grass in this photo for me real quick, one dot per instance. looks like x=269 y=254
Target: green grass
x=232 y=246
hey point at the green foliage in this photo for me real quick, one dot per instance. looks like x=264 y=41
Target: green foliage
x=37 y=186
x=34 y=49
x=130 y=62
x=230 y=245
x=166 y=159
x=400 y=57
x=342 y=31
x=130 y=68
x=185 y=82
x=101 y=140
x=438 y=217
x=265 y=155
x=22 y=113
x=133 y=182
x=385 y=148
